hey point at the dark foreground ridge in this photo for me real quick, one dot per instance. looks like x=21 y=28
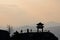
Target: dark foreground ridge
x=34 y=36
x=4 y=35
x=29 y=35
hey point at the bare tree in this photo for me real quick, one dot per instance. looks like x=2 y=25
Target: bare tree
x=10 y=28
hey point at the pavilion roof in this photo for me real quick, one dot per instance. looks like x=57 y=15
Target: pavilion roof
x=40 y=23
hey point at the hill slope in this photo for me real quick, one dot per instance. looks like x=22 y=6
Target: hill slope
x=34 y=36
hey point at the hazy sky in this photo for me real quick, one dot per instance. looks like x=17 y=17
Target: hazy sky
x=22 y=12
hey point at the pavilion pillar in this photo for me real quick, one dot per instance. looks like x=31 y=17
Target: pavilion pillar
x=42 y=29
x=37 y=29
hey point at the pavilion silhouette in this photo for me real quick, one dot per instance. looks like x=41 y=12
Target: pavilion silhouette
x=40 y=26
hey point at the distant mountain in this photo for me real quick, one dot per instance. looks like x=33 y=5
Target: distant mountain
x=51 y=24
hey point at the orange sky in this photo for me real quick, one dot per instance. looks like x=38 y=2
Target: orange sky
x=22 y=12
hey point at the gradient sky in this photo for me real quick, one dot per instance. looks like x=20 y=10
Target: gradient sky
x=22 y=12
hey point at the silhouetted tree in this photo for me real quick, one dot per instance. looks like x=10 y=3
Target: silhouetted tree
x=10 y=29
x=15 y=36
x=21 y=31
x=27 y=30
x=31 y=30
x=16 y=32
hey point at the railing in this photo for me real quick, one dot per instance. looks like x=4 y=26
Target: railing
x=28 y=31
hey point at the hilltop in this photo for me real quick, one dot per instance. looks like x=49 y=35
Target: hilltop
x=34 y=36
